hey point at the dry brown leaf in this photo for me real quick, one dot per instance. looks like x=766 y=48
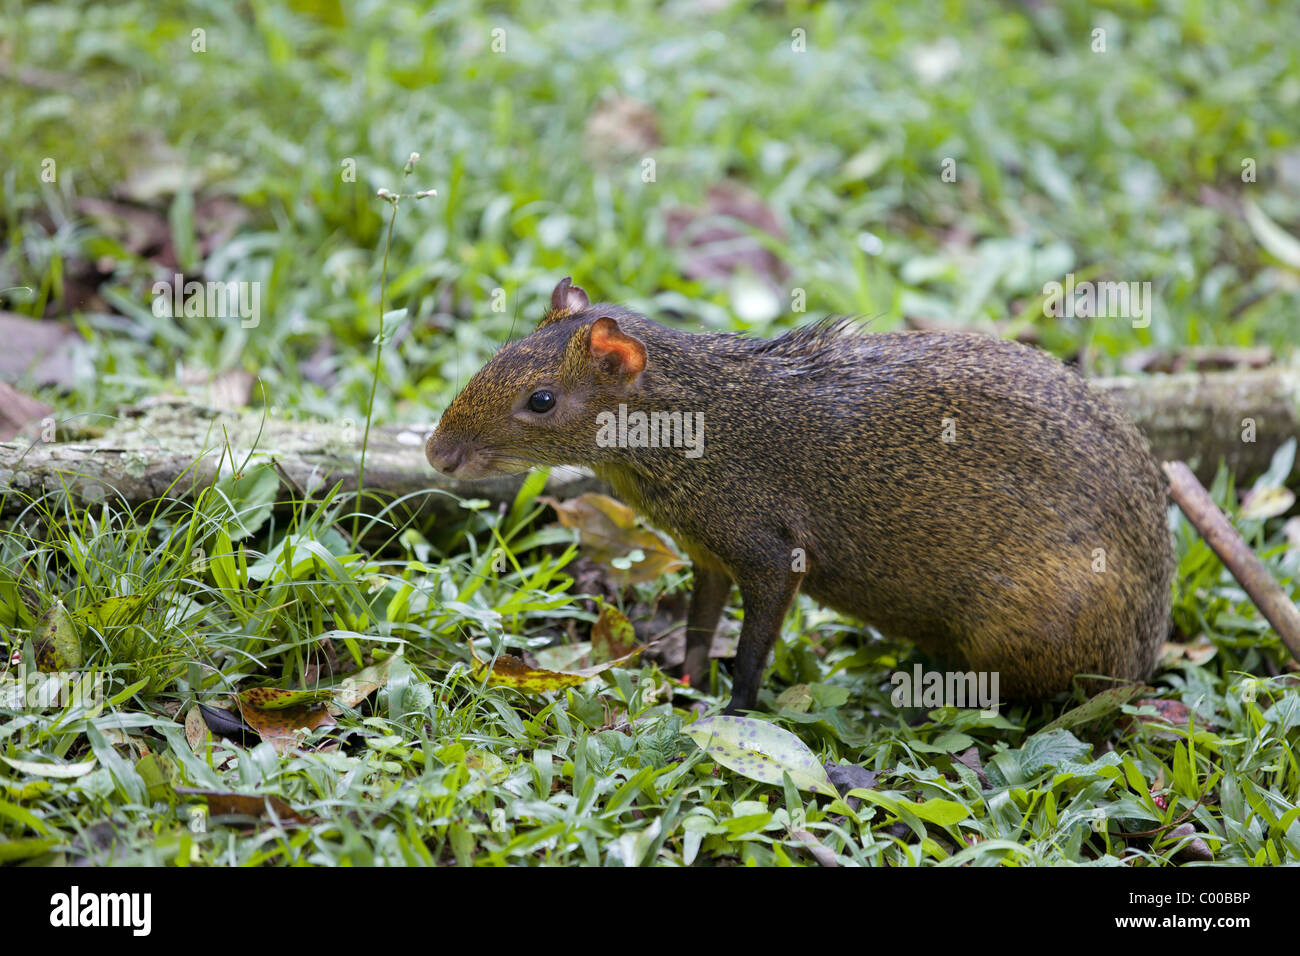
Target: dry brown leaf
x=221 y=803
x=284 y=728
x=1196 y=850
x=18 y=410
x=612 y=636
x=1198 y=651
x=664 y=629
x=608 y=531
x=970 y=758
x=820 y=851
x=139 y=229
x=510 y=671
x=44 y=350
x=196 y=729
x=713 y=248
x=216 y=220
x=228 y=390
x=56 y=641
x=353 y=690
x=1171 y=713
x=620 y=127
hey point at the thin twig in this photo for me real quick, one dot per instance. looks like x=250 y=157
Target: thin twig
x=1235 y=554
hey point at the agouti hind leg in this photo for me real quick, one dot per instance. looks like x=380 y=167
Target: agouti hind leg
x=708 y=596
x=766 y=600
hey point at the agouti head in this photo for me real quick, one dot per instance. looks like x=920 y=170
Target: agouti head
x=537 y=401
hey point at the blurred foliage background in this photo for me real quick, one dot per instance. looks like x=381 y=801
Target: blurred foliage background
x=793 y=146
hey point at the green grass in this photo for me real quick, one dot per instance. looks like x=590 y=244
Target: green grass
x=438 y=768
x=1123 y=165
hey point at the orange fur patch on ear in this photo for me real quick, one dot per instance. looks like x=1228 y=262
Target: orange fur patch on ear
x=609 y=343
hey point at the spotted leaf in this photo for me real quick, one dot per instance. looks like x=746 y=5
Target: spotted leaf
x=760 y=751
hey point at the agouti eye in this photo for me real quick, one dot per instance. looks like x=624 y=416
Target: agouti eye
x=542 y=401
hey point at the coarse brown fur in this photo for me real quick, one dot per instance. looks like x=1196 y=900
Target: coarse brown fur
x=967 y=493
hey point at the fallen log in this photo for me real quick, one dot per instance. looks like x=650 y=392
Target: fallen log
x=169 y=447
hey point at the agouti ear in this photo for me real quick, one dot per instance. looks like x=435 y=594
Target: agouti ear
x=568 y=297
x=565 y=300
x=614 y=350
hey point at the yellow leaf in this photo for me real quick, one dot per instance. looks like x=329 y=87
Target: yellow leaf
x=608 y=531
x=58 y=648
x=612 y=635
x=510 y=671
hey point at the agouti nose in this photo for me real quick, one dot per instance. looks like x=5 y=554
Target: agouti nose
x=445 y=456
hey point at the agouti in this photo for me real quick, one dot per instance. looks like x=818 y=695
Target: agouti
x=964 y=492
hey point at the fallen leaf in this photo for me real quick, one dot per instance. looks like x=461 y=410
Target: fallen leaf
x=510 y=671
x=562 y=657
x=140 y=230
x=1096 y=707
x=1198 y=651
x=612 y=636
x=196 y=729
x=970 y=758
x=224 y=723
x=850 y=776
x=664 y=629
x=285 y=726
x=58 y=771
x=1168 y=711
x=18 y=410
x=279 y=698
x=43 y=351
x=760 y=751
x=356 y=688
x=1195 y=850
x=114 y=611
x=216 y=220
x=1281 y=244
x=154 y=774
x=608 y=530
x=713 y=241
x=797 y=698
x=222 y=803
x=57 y=644
x=823 y=854
x=1266 y=503
x=619 y=128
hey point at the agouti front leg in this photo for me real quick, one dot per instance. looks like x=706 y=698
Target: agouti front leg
x=707 y=599
x=766 y=599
